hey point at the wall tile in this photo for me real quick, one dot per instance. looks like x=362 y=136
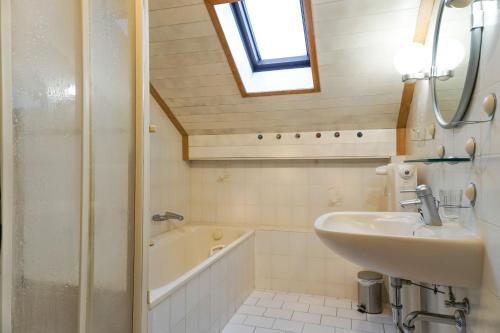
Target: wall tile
x=298 y=243
x=280 y=242
x=263 y=265
x=170 y=185
x=316 y=270
x=281 y=193
x=483 y=219
x=305 y=265
x=491 y=273
x=279 y=267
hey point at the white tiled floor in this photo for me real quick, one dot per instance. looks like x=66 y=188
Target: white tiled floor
x=275 y=312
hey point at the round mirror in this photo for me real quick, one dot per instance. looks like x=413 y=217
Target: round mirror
x=455 y=59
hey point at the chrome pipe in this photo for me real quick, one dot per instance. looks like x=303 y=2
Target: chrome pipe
x=457 y=319
x=397 y=307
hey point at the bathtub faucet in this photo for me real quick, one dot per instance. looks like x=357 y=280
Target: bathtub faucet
x=167 y=216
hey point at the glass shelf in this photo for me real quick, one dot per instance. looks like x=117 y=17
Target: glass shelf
x=449 y=160
x=455 y=206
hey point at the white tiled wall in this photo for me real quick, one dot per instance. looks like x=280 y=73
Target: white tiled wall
x=484 y=171
x=282 y=199
x=169 y=173
x=205 y=303
x=299 y=262
x=282 y=193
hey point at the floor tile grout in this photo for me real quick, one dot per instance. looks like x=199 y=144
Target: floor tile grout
x=352 y=319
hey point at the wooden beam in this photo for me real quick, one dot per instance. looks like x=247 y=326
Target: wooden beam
x=185 y=138
x=406 y=99
x=225 y=46
x=423 y=20
x=421 y=30
x=400 y=141
x=311 y=37
x=210 y=4
x=373 y=144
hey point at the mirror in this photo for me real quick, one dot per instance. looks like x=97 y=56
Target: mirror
x=455 y=59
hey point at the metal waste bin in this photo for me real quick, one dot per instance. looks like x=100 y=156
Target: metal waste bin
x=370 y=292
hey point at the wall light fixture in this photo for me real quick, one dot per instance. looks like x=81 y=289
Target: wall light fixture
x=412 y=61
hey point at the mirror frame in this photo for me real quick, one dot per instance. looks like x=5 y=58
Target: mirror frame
x=472 y=68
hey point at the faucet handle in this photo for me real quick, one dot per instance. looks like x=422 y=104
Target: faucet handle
x=421 y=190
x=408 y=191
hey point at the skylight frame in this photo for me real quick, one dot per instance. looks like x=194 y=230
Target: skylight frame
x=258 y=64
x=268 y=83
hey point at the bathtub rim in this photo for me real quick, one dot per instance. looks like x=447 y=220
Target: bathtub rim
x=157 y=295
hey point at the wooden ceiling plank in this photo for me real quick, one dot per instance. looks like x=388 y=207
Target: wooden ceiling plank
x=188 y=92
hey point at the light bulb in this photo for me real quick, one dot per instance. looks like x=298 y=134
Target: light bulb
x=450 y=54
x=411 y=58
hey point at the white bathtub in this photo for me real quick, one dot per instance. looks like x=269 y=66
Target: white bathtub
x=182 y=254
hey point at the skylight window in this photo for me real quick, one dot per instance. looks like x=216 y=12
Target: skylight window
x=273 y=33
x=269 y=45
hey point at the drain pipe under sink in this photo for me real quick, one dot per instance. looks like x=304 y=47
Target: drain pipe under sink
x=397 y=307
x=458 y=319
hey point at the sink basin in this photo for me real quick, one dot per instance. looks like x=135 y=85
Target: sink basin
x=400 y=245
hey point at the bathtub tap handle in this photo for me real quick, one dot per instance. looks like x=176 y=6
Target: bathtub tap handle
x=167 y=216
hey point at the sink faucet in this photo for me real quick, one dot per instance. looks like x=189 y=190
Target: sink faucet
x=426 y=204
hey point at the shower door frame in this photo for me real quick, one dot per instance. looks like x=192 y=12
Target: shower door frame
x=142 y=168
x=7 y=167
x=141 y=205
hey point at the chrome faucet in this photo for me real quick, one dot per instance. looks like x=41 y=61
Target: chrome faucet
x=426 y=203
x=167 y=216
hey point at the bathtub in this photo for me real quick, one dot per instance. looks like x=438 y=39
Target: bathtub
x=214 y=255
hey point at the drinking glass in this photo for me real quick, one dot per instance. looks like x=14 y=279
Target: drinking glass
x=450 y=200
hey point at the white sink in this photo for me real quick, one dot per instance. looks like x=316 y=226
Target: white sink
x=401 y=245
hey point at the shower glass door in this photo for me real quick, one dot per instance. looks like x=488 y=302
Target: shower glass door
x=112 y=112
x=47 y=134
x=73 y=161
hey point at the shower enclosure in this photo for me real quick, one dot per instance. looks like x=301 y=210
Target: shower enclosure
x=72 y=135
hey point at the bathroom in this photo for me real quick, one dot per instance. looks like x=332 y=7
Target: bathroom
x=252 y=166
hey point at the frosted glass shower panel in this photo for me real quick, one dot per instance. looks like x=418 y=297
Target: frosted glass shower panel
x=112 y=167
x=46 y=65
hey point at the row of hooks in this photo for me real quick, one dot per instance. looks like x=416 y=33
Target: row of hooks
x=318 y=135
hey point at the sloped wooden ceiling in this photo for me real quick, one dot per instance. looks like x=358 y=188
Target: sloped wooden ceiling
x=356 y=42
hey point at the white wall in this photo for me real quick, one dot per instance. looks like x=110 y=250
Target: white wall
x=484 y=171
x=169 y=173
x=282 y=193
x=282 y=199
x=297 y=261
